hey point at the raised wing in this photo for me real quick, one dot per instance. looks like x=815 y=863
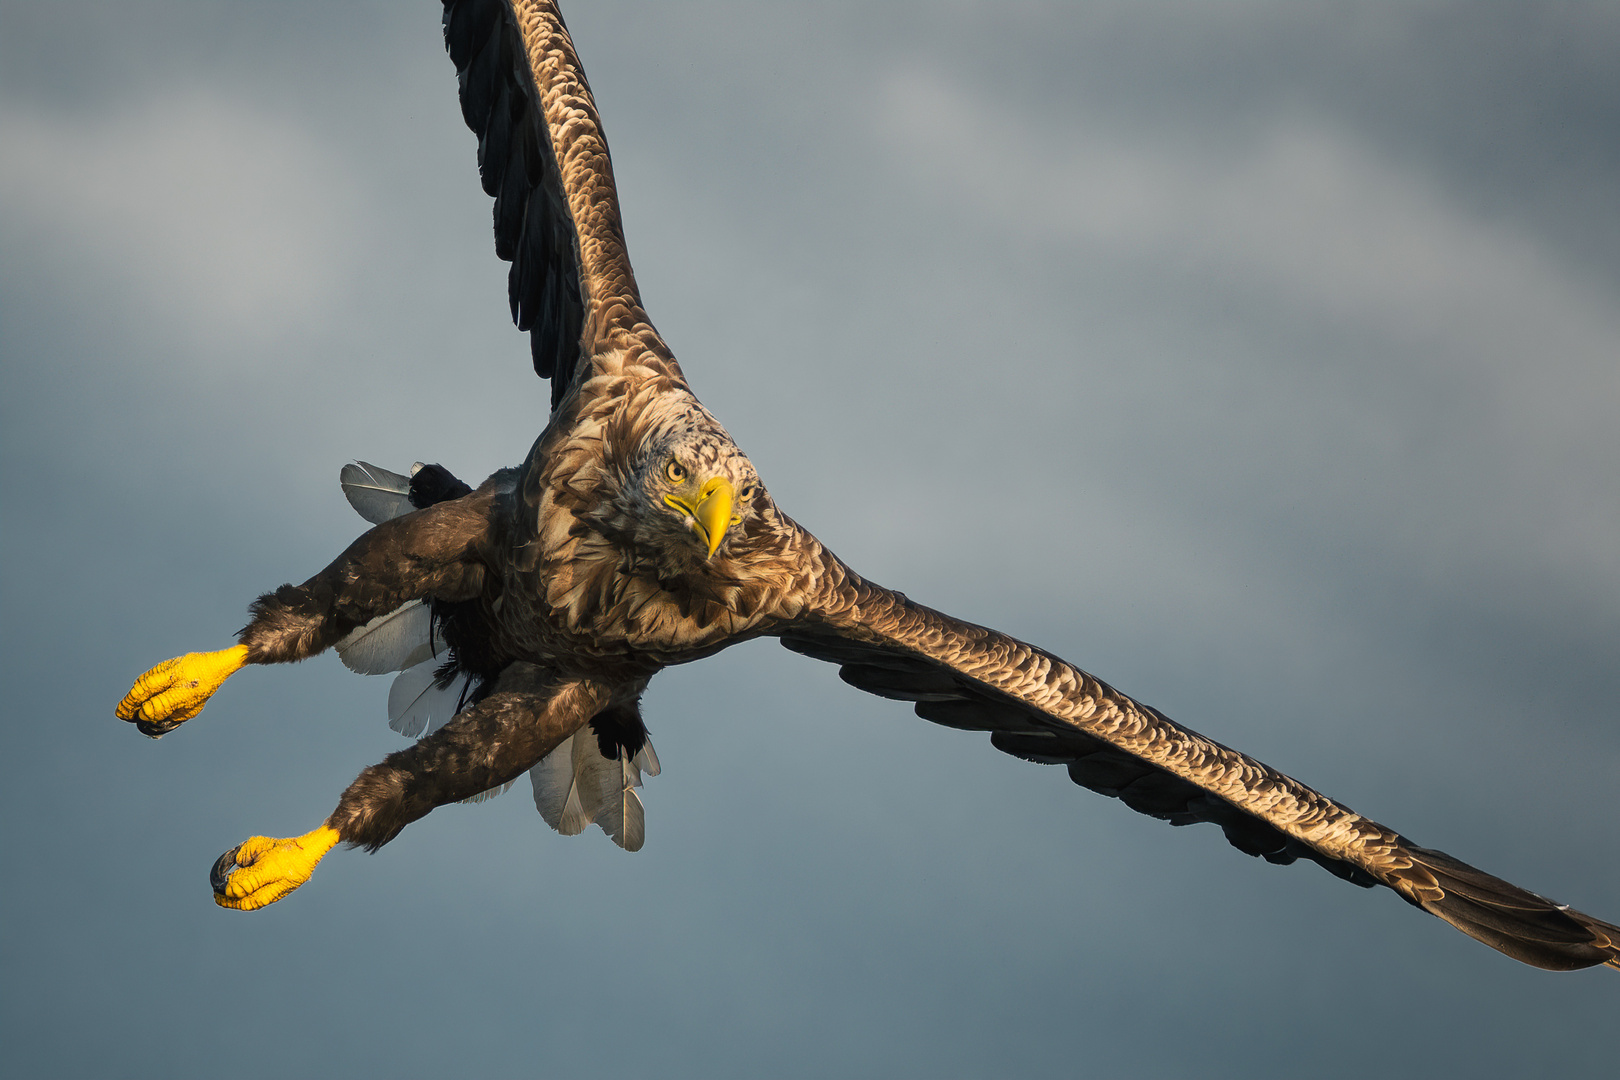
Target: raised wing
x=542 y=155
x=1040 y=708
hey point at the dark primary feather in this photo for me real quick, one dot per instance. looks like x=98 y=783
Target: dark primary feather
x=534 y=230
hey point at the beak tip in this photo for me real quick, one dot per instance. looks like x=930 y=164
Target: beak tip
x=713 y=514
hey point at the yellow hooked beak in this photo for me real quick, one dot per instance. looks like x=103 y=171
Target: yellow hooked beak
x=708 y=511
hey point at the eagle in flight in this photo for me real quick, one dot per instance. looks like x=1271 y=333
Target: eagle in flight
x=528 y=615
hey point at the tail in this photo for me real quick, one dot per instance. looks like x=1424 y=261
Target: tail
x=592 y=777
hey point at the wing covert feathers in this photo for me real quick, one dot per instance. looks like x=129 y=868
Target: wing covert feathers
x=1040 y=708
x=542 y=155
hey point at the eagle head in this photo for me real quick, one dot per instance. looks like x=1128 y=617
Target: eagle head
x=690 y=490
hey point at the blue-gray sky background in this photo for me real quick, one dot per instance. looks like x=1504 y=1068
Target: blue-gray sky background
x=1260 y=358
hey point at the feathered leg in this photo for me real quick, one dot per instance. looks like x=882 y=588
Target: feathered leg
x=526 y=716
x=439 y=553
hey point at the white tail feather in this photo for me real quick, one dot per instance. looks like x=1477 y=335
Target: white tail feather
x=553 y=781
x=574 y=815
x=403 y=638
x=575 y=785
x=417 y=705
x=610 y=786
x=626 y=821
x=376 y=494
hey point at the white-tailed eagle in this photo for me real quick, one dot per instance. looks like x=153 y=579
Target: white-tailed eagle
x=529 y=614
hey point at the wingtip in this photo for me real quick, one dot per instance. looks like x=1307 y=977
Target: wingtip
x=1514 y=921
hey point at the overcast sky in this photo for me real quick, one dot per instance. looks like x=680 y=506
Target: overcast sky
x=1259 y=358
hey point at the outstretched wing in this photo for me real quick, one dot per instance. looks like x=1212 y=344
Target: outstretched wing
x=542 y=155
x=1040 y=708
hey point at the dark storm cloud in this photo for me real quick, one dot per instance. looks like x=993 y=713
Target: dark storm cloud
x=1259 y=358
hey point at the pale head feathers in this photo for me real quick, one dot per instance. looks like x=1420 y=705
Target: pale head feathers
x=661 y=441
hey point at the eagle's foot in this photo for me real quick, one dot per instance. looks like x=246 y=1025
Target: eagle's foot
x=176 y=690
x=260 y=871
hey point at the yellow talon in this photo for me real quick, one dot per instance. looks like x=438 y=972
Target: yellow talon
x=176 y=690
x=260 y=871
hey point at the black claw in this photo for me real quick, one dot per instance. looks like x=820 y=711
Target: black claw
x=222 y=870
x=154 y=729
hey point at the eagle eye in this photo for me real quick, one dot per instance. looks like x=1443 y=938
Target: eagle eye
x=674 y=471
